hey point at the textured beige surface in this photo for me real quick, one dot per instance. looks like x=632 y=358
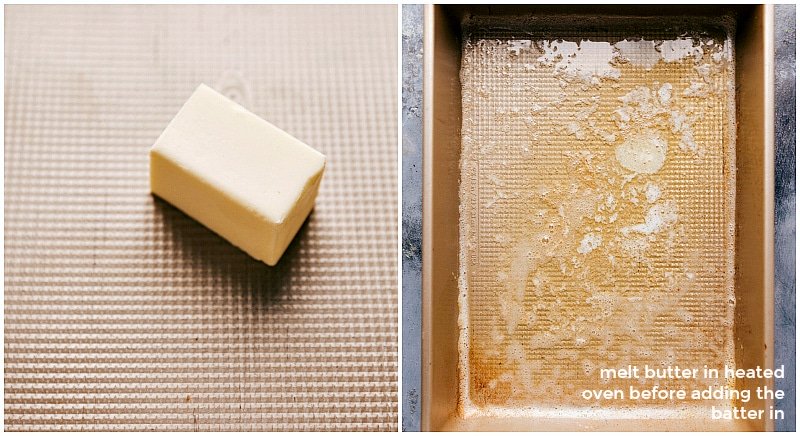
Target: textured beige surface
x=121 y=312
x=597 y=216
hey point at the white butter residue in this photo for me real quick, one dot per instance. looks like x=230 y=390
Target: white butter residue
x=725 y=53
x=665 y=93
x=680 y=123
x=658 y=218
x=589 y=61
x=652 y=192
x=687 y=142
x=611 y=201
x=678 y=49
x=644 y=153
x=640 y=53
x=636 y=247
x=517 y=45
x=575 y=129
x=640 y=107
x=652 y=109
x=647 y=53
x=589 y=242
x=696 y=89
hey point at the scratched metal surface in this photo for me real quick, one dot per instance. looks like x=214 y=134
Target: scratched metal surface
x=785 y=210
x=121 y=313
x=412 y=215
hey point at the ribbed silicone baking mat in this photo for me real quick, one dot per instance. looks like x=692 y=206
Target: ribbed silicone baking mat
x=597 y=190
x=121 y=313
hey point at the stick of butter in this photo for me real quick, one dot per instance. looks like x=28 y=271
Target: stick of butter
x=238 y=175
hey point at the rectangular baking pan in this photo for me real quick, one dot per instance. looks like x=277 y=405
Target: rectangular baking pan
x=753 y=241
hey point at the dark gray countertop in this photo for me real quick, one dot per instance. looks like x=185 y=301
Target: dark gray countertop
x=785 y=211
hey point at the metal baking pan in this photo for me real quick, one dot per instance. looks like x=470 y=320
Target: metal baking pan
x=121 y=312
x=495 y=361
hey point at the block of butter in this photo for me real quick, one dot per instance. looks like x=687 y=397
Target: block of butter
x=240 y=176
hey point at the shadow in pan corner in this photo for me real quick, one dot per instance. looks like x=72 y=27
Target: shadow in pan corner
x=205 y=256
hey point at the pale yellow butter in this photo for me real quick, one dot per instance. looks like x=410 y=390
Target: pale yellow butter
x=238 y=175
